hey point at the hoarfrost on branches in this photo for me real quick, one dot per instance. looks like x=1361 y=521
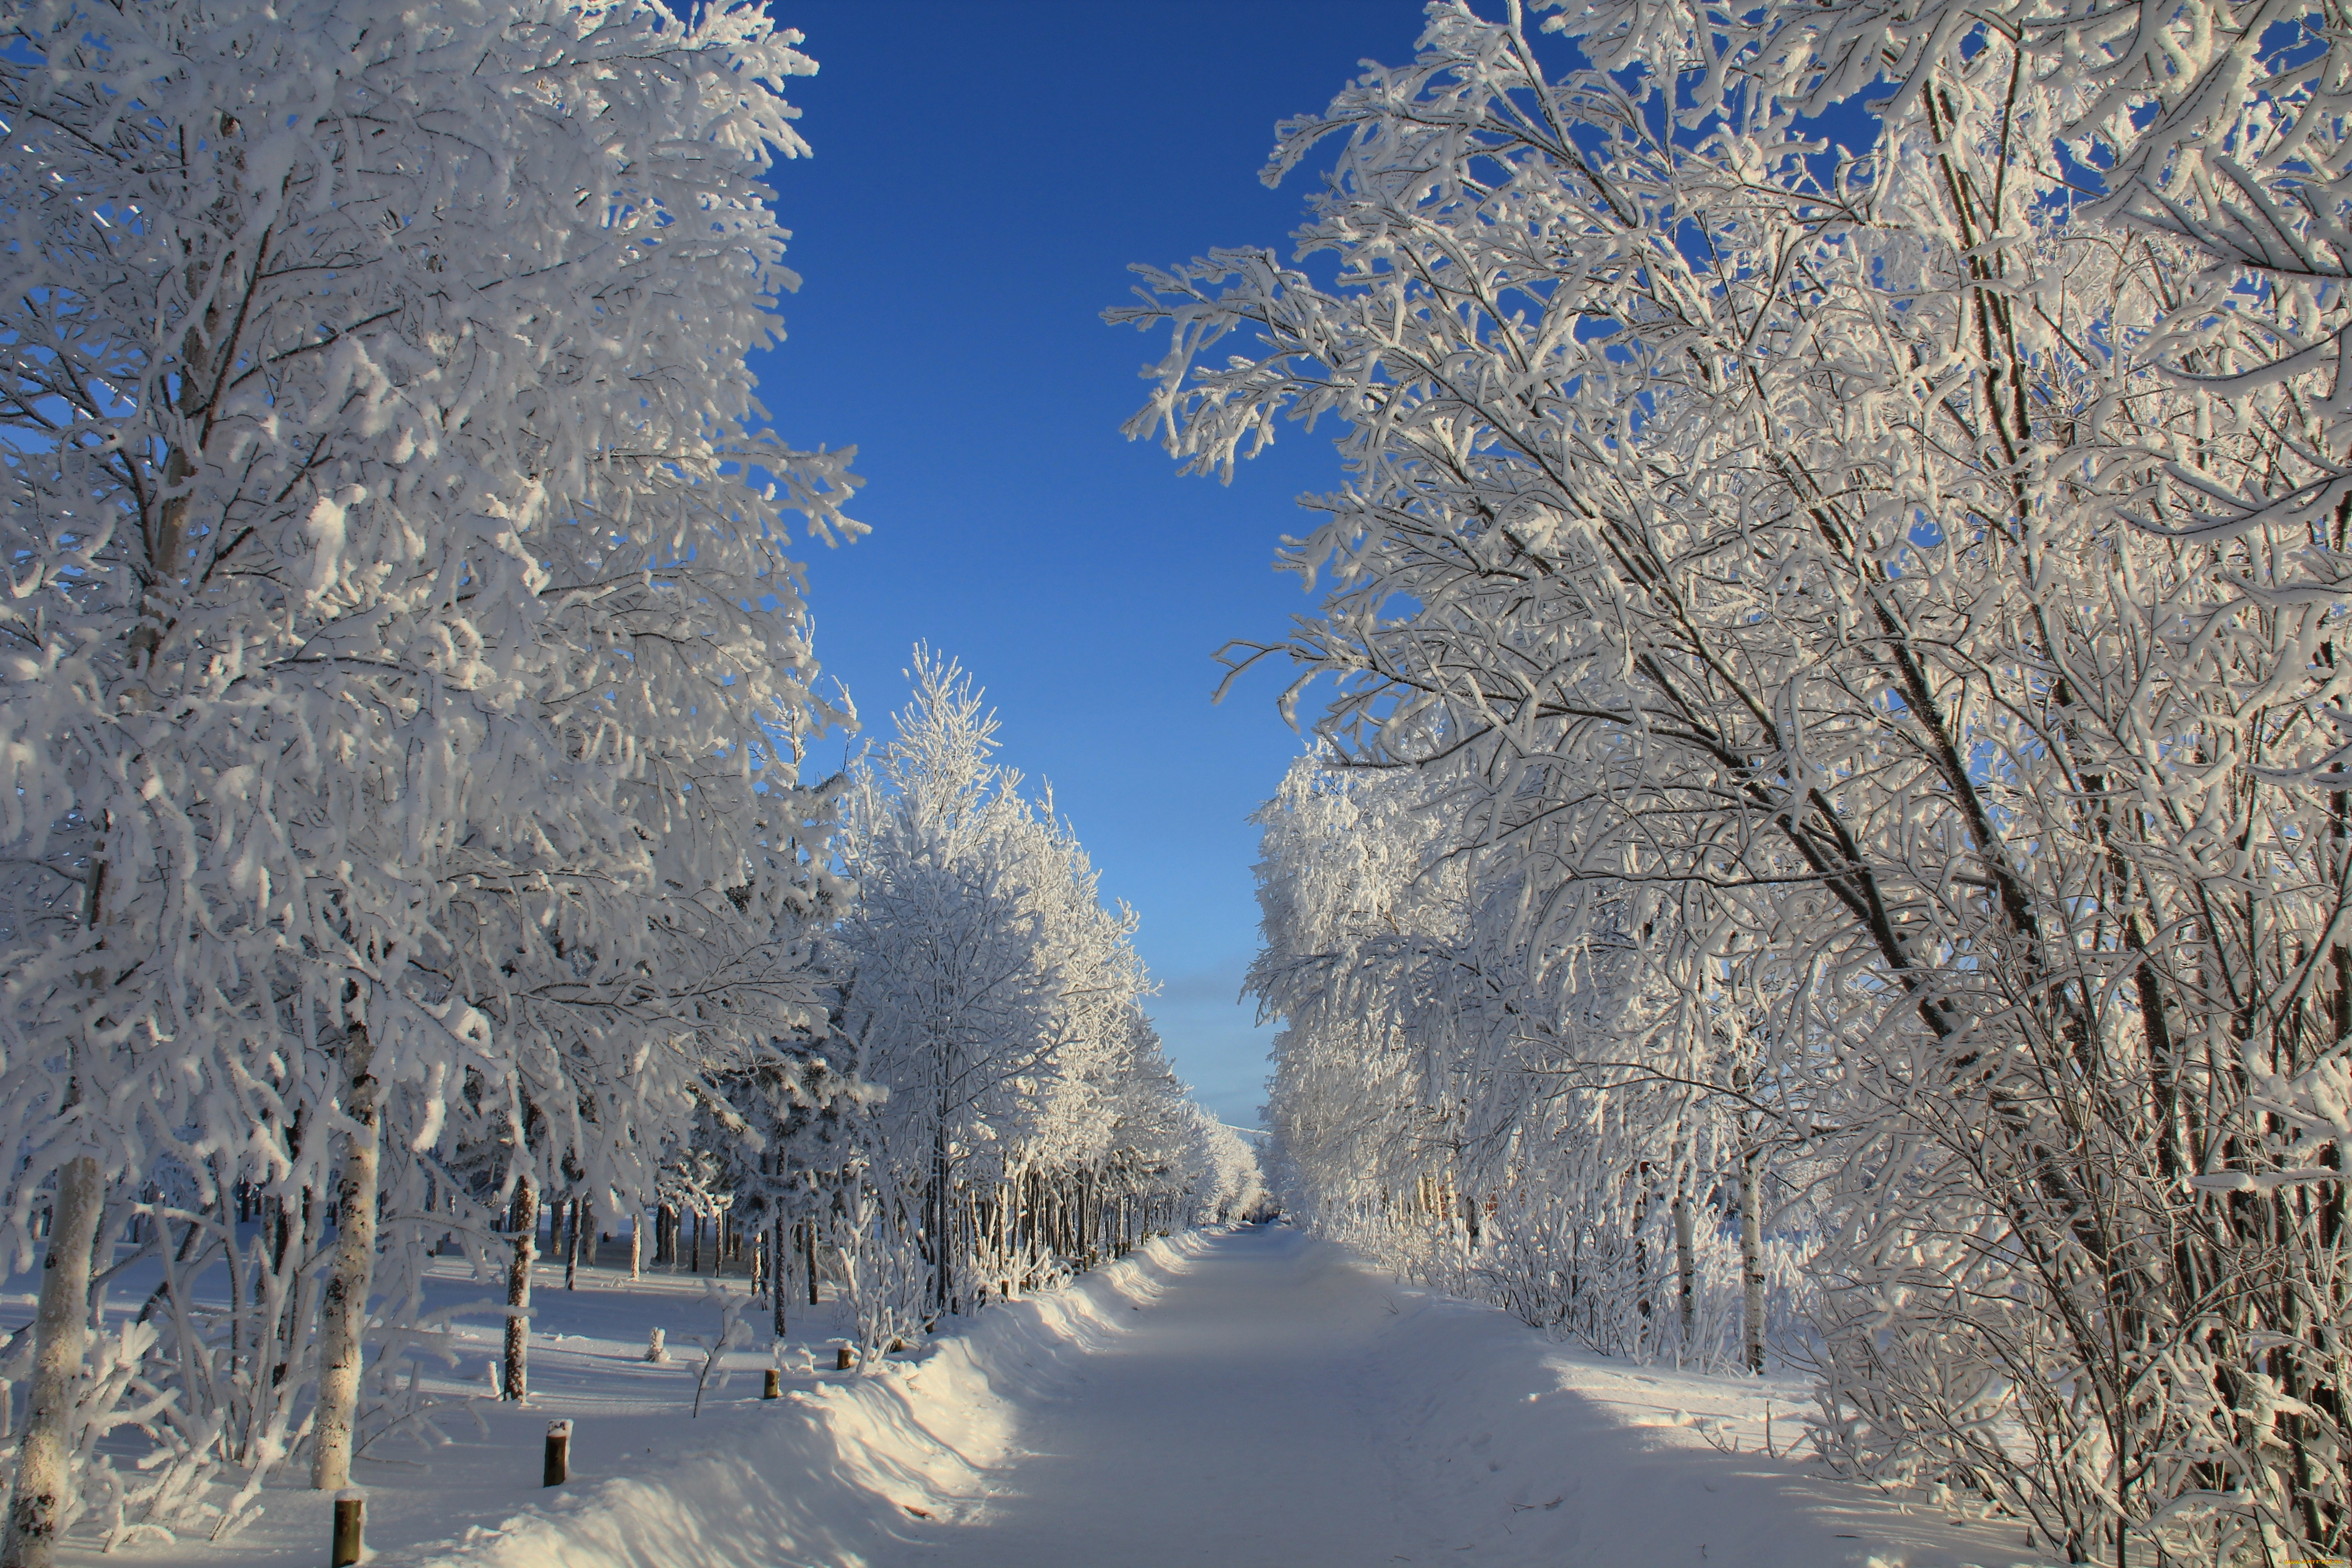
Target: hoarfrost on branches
x=403 y=677
x=1836 y=653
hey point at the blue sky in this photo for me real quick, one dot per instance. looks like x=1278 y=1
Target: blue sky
x=984 y=176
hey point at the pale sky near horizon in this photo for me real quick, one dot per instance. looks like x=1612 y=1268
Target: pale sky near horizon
x=983 y=176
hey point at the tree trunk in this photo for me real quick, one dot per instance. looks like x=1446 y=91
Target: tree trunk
x=343 y=1313
x=570 y=1243
x=1751 y=1261
x=1686 y=1291
x=778 y=1275
x=695 y=1267
x=59 y=1329
x=516 y=1384
x=1642 y=1304
x=636 y=1244
x=810 y=1234
x=936 y=1218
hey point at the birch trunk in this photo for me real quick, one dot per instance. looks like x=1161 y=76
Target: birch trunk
x=936 y=1216
x=811 y=1235
x=1686 y=1300
x=1751 y=1262
x=36 y=1513
x=778 y=1275
x=516 y=1384
x=343 y=1314
x=1642 y=1306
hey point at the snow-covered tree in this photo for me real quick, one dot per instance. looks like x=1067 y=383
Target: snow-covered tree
x=775 y=1154
x=400 y=614
x=1235 y=1192
x=1561 y=1134
x=1033 y=1124
x=1895 y=596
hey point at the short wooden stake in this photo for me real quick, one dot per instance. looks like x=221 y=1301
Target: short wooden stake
x=848 y=1359
x=774 y=1386
x=558 y=1454
x=351 y=1526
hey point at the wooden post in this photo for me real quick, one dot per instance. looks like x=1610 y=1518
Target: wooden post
x=558 y=1469
x=845 y=1360
x=351 y=1526
x=773 y=1387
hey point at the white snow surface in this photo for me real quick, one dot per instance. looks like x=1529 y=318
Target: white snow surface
x=1249 y=1398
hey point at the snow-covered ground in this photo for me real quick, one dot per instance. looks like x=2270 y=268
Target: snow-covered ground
x=1238 y=1399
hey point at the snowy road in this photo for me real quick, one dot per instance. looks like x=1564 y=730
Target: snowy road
x=1231 y=1428
x=1275 y=1404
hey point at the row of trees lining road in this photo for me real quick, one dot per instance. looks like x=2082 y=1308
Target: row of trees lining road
x=1834 y=745
x=390 y=617
x=1617 y=1202
x=402 y=687
x=1034 y=1124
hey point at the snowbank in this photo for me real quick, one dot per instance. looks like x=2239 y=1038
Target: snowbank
x=1537 y=1454
x=835 y=1472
